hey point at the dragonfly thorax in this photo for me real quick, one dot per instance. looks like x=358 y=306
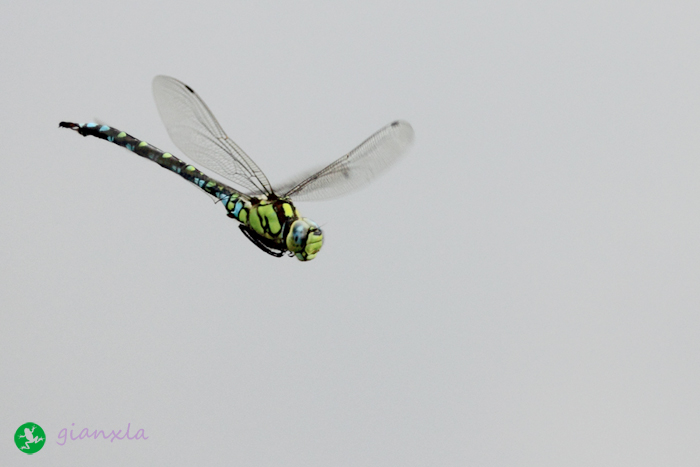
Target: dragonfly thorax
x=275 y=224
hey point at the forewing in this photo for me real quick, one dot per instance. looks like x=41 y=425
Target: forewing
x=357 y=168
x=194 y=129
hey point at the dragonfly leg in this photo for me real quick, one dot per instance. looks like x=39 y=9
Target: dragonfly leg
x=266 y=245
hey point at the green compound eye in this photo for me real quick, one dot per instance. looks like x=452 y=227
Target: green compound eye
x=305 y=239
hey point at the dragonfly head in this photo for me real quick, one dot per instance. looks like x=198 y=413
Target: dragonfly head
x=304 y=239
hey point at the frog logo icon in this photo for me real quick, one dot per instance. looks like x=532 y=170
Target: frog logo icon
x=30 y=438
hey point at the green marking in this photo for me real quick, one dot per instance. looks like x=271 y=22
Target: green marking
x=275 y=226
x=167 y=155
x=254 y=222
x=267 y=212
x=121 y=135
x=190 y=168
x=210 y=184
x=243 y=215
x=288 y=212
x=314 y=243
x=142 y=144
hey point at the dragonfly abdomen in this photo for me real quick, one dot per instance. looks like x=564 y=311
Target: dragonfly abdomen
x=164 y=159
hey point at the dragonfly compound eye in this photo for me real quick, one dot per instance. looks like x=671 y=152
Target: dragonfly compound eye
x=305 y=239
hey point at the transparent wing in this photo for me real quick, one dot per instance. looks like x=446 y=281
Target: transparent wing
x=194 y=129
x=355 y=169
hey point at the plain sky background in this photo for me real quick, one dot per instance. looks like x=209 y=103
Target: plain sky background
x=521 y=289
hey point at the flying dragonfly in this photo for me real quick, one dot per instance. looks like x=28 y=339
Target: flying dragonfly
x=267 y=215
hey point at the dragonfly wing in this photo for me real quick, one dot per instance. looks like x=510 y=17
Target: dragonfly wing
x=194 y=129
x=355 y=169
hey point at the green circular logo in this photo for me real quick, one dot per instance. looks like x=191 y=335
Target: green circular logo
x=30 y=438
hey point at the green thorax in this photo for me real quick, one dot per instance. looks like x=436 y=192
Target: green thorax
x=269 y=218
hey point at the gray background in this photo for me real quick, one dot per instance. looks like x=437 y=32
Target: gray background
x=520 y=290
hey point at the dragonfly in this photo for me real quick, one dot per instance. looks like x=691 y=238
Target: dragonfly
x=266 y=214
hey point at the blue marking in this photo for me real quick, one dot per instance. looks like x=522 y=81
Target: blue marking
x=298 y=234
x=103 y=128
x=224 y=198
x=201 y=183
x=129 y=147
x=110 y=139
x=238 y=207
x=91 y=125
